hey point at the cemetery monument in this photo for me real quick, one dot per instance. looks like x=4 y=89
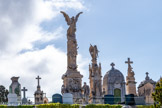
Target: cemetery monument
x=72 y=79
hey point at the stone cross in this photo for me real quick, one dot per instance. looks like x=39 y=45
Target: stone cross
x=147 y=73
x=147 y=77
x=24 y=90
x=129 y=62
x=38 y=78
x=112 y=64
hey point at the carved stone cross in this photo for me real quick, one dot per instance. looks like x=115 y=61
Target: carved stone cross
x=147 y=77
x=24 y=90
x=129 y=62
x=112 y=64
x=38 y=78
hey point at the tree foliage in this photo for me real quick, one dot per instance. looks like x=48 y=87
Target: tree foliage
x=157 y=95
x=3 y=94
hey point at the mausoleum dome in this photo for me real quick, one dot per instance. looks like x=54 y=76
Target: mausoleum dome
x=113 y=76
x=147 y=80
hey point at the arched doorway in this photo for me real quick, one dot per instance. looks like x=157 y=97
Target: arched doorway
x=117 y=95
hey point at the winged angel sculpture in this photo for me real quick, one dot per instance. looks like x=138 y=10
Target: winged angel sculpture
x=71 y=22
x=93 y=51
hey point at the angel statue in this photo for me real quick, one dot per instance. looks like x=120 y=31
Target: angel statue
x=93 y=51
x=71 y=22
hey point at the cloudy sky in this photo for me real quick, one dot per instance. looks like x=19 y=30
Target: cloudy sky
x=33 y=39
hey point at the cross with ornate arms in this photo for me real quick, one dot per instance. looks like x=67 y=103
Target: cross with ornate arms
x=129 y=62
x=112 y=64
x=147 y=77
x=24 y=90
x=38 y=78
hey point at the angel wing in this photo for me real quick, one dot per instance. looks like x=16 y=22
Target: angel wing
x=76 y=18
x=68 y=20
x=90 y=48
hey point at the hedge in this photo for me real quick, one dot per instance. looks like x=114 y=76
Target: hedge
x=57 y=105
x=148 y=106
x=3 y=106
x=102 y=106
x=21 y=106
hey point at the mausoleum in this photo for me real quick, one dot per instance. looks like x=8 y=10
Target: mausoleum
x=114 y=84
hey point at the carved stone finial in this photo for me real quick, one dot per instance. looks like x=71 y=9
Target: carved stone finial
x=147 y=77
x=112 y=64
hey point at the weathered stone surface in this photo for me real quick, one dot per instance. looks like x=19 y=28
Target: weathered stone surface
x=139 y=100
x=72 y=79
x=95 y=76
x=130 y=79
x=68 y=98
x=85 y=92
x=114 y=84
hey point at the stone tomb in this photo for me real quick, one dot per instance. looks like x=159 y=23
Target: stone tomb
x=139 y=100
x=108 y=99
x=129 y=99
x=57 y=98
x=12 y=99
x=67 y=98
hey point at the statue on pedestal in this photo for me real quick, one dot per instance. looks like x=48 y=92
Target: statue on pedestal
x=95 y=76
x=72 y=79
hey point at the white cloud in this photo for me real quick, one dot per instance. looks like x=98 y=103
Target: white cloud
x=20 y=28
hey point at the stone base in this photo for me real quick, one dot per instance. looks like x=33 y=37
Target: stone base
x=97 y=100
x=72 y=80
x=130 y=85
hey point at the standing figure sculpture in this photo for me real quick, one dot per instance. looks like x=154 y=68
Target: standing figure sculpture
x=93 y=52
x=85 y=90
x=72 y=43
x=72 y=79
x=72 y=23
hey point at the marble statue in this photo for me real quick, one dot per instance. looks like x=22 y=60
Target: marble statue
x=72 y=79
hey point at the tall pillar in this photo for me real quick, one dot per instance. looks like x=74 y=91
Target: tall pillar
x=72 y=79
x=95 y=77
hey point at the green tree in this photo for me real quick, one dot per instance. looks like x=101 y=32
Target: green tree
x=3 y=94
x=157 y=95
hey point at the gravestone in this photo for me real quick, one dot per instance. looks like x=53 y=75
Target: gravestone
x=12 y=99
x=57 y=98
x=24 y=100
x=67 y=98
x=108 y=99
x=129 y=99
x=139 y=100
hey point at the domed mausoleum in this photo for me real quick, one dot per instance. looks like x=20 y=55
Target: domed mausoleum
x=114 y=84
